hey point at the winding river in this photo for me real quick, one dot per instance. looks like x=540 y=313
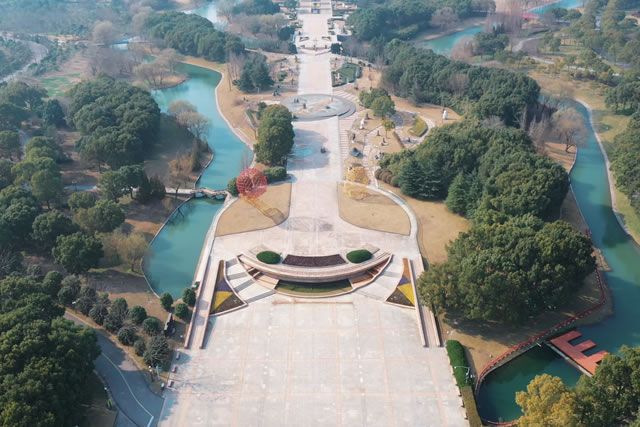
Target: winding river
x=174 y=254
x=496 y=397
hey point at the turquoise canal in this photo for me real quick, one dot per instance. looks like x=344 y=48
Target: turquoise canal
x=590 y=185
x=445 y=44
x=171 y=261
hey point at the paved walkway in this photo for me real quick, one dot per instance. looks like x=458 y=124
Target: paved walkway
x=286 y=361
x=139 y=405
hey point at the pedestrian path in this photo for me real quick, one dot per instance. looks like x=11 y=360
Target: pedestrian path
x=346 y=95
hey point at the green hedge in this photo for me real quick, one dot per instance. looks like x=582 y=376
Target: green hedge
x=275 y=173
x=232 y=187
x=470 y=405
x=457 y=357
x=268 y=257
x=359 y=255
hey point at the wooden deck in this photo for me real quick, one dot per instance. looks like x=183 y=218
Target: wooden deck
x=576 y=352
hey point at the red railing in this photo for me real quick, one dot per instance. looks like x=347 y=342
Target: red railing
x=493 y=365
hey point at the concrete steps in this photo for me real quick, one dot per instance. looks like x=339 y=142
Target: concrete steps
x=244 y=285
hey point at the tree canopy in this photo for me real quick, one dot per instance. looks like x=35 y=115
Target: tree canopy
x=194 y=35
x=509 y=272
x=44 y=374
x=275 y=135
x=423 y=76
x=117 y=119
x=610 y=397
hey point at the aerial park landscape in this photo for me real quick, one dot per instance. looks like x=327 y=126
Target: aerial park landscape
x=327 y=213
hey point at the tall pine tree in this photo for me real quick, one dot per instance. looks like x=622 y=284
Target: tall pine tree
x=457 y=198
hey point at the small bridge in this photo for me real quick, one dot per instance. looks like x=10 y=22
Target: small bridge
x=218 y=194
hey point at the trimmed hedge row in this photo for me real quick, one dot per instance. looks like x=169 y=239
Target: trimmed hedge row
x=268 y=257
x=457 y=357
x=359 y=255
x=469 y=401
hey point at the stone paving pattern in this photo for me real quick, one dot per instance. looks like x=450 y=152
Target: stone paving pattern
x=284 y=361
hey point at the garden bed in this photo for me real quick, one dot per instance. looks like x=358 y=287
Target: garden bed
x=313 y=261
x=314 y=289
x=418 y=128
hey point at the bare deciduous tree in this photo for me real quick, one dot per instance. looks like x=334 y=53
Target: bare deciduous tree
x=171 y=57
x=458 y=82
x=138 y=52
x=180 y=171
x=152 y=73
x=195 y=122
x=178 y=107
x=463 y=50
x=224 y=8
x=104 y=32
x=569 y=127
x=444 y=18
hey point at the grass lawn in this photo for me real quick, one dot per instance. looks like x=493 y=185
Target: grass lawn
x=269 y=210
x=418 y=128
x=96 y=412
x=374 y=211
x=350 y=71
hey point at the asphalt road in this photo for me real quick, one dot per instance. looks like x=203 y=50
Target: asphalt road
x=137 y=403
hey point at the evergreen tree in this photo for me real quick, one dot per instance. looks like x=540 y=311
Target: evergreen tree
x=411 y=177
x=457 y=198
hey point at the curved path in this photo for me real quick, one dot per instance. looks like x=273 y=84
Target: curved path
x=138 y=404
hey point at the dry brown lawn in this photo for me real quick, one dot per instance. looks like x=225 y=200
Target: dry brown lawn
x=271 y=209
x=437 y=227
x=373 y=211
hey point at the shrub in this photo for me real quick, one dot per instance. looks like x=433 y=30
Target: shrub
x=137 y=314
x=275 y=173
x=34 y=270
x=151 y=326
x=189 y=296
x=157 y=352
x=84 y=305
x=166 y=300
x=268 y=257
x=359 y=255
x=98 y=313
x=182 y=310
x=112 y=322
x=66 y=295
x=377 y=173
x=232 y=188
x=51 y=283
x=73 y=282
x=139 y=347
x=388 y=177
x=457 y=357
x=395 y=181
x=470 y=405
x=127 y=335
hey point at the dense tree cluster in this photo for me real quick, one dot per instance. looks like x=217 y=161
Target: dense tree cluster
x=275 y=135
x=625 y=161
x=403 y=19
x=47 y=360
x=14 y=55
x=117 y=120
x=256 y=7
x=423 y=76
x=511 y=271
x=485 y=174
x=194 y=35
x=610 y=397
x=255 y=75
